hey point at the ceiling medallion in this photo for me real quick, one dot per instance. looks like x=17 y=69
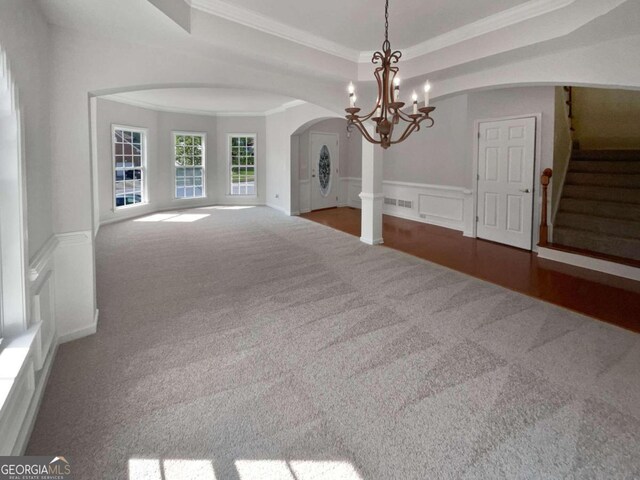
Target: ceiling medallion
x=387 y=112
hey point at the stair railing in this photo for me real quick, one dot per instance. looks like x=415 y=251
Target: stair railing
x=569 y=116
x=569 y=103
x=544 y=228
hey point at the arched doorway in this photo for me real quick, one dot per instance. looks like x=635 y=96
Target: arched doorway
x=321 y=163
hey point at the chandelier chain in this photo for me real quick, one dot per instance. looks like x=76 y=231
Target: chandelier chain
x=386 y=21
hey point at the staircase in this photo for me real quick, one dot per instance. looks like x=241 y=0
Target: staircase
x=600 y=206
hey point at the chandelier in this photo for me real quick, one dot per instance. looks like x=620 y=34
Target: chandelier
x=387 y=112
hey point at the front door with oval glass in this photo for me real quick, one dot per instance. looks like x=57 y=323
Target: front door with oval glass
x=324 y=170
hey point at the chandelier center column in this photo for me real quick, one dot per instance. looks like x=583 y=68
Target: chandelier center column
x=372 y=196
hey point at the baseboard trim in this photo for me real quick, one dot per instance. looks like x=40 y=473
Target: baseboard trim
x=597 y=264
x=82 y=332
x=279 y=208
x=368 y=241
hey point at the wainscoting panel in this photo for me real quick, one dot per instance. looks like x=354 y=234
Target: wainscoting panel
x=43 y=314
x=74 y=281
x=25 y=360
x=441 y=208
x=441 y=205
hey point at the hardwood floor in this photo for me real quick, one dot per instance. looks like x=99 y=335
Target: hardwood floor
x=606 y=297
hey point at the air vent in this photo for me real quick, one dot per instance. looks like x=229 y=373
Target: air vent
x=390 y=201
x=405 y=203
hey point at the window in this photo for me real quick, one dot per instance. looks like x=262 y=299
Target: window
x=189 y=153
x=129 y=145
x=242 y=159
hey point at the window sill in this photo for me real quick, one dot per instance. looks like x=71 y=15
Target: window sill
x=129 y=207
x=229 y=195
x=13 y=359
x=176 y=199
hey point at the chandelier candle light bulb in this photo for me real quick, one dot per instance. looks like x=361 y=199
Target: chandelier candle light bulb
x=352 y=95
x=387 y=113
x=427 y=89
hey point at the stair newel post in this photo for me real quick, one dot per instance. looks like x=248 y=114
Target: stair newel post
x=544 y=228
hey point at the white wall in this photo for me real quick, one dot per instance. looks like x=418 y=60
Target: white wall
x=24 y=36
x=439 y=155
x=354 y=155
x=160 y=175
x=606 y=119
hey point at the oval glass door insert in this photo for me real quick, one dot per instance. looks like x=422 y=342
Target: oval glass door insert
x=324 y=170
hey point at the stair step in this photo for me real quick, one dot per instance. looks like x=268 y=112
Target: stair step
x=592 y=223
x=590 y=253
x=598 y=166
x=597 y=242
x=623 y=180
x=606 y=155
x=624 y=211
x=608 y=194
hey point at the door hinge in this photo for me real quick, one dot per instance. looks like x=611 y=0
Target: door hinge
x=478 y=176
x=477 y=219
x=336 y=198
x=478 y=134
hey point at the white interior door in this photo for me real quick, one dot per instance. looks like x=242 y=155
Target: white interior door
x=324 y=170
x=505 y=181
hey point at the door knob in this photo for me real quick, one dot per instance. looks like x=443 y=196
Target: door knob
x=314 y=175
x=526 y=190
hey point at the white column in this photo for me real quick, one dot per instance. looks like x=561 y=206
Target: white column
x=371 y=195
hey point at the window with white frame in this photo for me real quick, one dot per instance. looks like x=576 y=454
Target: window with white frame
x=189 y=154
x=242 y=162
x=129 y=166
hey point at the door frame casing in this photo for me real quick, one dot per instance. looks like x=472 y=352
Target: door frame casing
x=310 y=163
x=537 y=161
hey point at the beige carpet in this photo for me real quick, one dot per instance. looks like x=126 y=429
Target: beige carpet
x=249 y=345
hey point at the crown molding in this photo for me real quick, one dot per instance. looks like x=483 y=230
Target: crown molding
x=257 y=21
x=506 y=18
x=161 y=108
